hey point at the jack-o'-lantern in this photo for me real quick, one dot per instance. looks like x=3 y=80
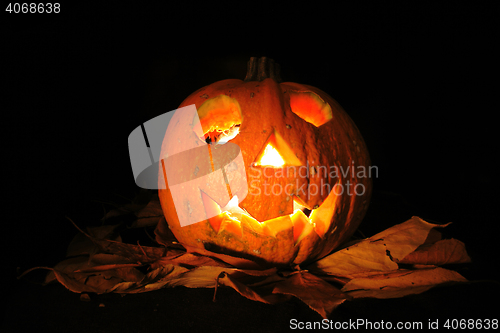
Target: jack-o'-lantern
x=307 y=169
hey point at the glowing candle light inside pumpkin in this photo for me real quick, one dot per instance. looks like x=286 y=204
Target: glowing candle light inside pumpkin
x=271 y=157
x=228 y=134
x=233 y=208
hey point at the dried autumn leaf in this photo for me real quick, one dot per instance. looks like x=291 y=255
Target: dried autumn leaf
x=210 y=276
x=162 y=273
x=108 y=259
x=368 y=268
x=267 y=283
x=149 y=215
x=377 y=253
x=135 y=253
x=364 y=256
x=104 y=232
x=234 y=261
x=318 y=294
x=82 y=243
x=97 y=282
x=163 y=234
x=68 y=266
x=108 y=268
x=154 y=280
x=190 y=259
x=198 y=277
x=404 y=238
x=400 y=283
x=242 y=289
x=206 y=276
x=446 y=251
x=76 y=282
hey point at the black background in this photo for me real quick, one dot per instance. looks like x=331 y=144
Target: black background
x=418 y=80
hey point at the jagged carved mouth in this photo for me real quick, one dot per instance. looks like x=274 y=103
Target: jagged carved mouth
x=304 y=220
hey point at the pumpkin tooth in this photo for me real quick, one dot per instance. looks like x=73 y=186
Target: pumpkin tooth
x=212 y=209
x=230 y=225
x=233 y=208
x=276 y=225
x=298 y=203
x=249 y=223
x=322 y=216
x=216 y=222
x=302 y=226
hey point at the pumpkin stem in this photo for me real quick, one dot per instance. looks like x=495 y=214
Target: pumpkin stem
x=262 y=68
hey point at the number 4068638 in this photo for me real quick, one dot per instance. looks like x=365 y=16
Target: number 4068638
x=33 y=8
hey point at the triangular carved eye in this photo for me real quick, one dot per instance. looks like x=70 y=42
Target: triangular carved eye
x=276 y=153
x=310 y=107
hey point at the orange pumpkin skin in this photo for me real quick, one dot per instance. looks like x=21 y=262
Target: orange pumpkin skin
x=272 y=234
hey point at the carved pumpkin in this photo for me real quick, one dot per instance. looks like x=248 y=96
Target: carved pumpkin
x=307 y=166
